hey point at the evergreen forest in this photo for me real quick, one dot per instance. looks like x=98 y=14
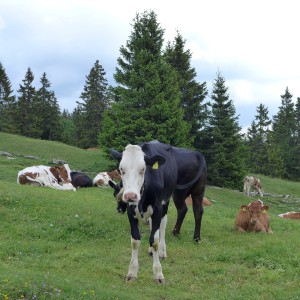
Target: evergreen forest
x=157 y=96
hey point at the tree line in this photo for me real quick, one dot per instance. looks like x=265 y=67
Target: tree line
x=158 y=97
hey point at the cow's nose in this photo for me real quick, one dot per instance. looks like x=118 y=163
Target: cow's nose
x=130 y=196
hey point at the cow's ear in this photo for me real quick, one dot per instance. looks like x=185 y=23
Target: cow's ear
x=264 y=209
x=116 y=155
x=154 y=161
x=244 y=208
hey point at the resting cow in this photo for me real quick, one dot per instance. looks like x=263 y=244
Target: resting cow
x=103 y=178
x=252 y=181
x=290 y=215
x=253 y=217
x=80 y=180
x=149 y=178
x=57 y=177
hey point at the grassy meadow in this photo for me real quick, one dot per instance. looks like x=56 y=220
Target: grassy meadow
x=74 y=245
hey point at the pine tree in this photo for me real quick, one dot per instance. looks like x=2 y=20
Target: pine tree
x=26 y=118
x=257 y=137
x=68 y=129
x=284 y=132
x=148 y=103
x=7 y=103
x=192 y=93
x=47 y=110
x=95 y=102
x=224 y=149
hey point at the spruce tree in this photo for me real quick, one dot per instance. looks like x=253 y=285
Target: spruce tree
x=148 y=99
x=192 y=93
x=26 y=118
x=7 y=103
x=284 y=132
x=95 y=102
x=256 y=140
x=47 y=109
x=224 y=150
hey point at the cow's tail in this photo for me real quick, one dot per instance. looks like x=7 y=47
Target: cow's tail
x=198 y=175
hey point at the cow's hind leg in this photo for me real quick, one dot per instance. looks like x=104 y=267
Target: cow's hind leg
x=198 y=212
x=179 y=201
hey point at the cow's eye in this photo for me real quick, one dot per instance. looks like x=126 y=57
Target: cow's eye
x=122 y=172
x=142 y=172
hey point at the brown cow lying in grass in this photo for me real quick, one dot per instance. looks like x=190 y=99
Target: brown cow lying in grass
x=290 y=215
x=253 y=217
x=205 y=202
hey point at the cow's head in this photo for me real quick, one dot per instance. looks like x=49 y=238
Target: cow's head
x=254 y=209
x=62 y=173
x=132 y=166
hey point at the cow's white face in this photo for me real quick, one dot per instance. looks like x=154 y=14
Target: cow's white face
x=132 y=168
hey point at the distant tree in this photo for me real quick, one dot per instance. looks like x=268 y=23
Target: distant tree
x=256 y=140
x=148 y=99
x=284 y=133
x=7 y=103
x=274 y=161
x=224 y=149
x=25 y=117
x=47 y=109
x=68 y=129
x=192 y=93
x=95 y=102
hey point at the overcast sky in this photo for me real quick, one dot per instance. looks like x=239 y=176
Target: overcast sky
x=253 y=43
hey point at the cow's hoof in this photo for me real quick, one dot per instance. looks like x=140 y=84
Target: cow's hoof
x=197 y=240
x=160 y=280
x=175 y=232
x=130 y=278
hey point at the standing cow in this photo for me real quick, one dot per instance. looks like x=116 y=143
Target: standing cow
x=252 y=181
x=191 y=180
x=149 y=175
x=253 y=217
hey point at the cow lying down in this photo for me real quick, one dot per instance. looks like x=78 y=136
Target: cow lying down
x=57 y=177
x=253 y=217
x=103 y=178
x=290 y=215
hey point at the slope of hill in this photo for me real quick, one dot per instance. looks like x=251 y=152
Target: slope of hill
x=74 y=245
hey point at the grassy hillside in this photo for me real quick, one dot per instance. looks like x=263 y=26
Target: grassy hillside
x=74 y=245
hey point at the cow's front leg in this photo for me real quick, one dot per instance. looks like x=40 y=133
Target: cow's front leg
x=135 y=244
x=154 y=243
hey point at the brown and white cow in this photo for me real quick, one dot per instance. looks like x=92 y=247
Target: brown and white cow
x=57 y=177
x=103 y=178
x=290 y=215
x=205 y=202
x=252 y=181
x=253 y=217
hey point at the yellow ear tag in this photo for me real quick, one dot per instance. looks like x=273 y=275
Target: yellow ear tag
x=155 y=166
x=245 y=209
x=264 y=211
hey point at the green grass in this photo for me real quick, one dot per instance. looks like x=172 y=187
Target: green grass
x=74 y=245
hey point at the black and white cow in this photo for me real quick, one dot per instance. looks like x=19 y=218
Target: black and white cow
x=149 y=176
x=191 y=180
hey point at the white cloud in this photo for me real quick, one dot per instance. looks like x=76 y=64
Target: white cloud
x=253 y=43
